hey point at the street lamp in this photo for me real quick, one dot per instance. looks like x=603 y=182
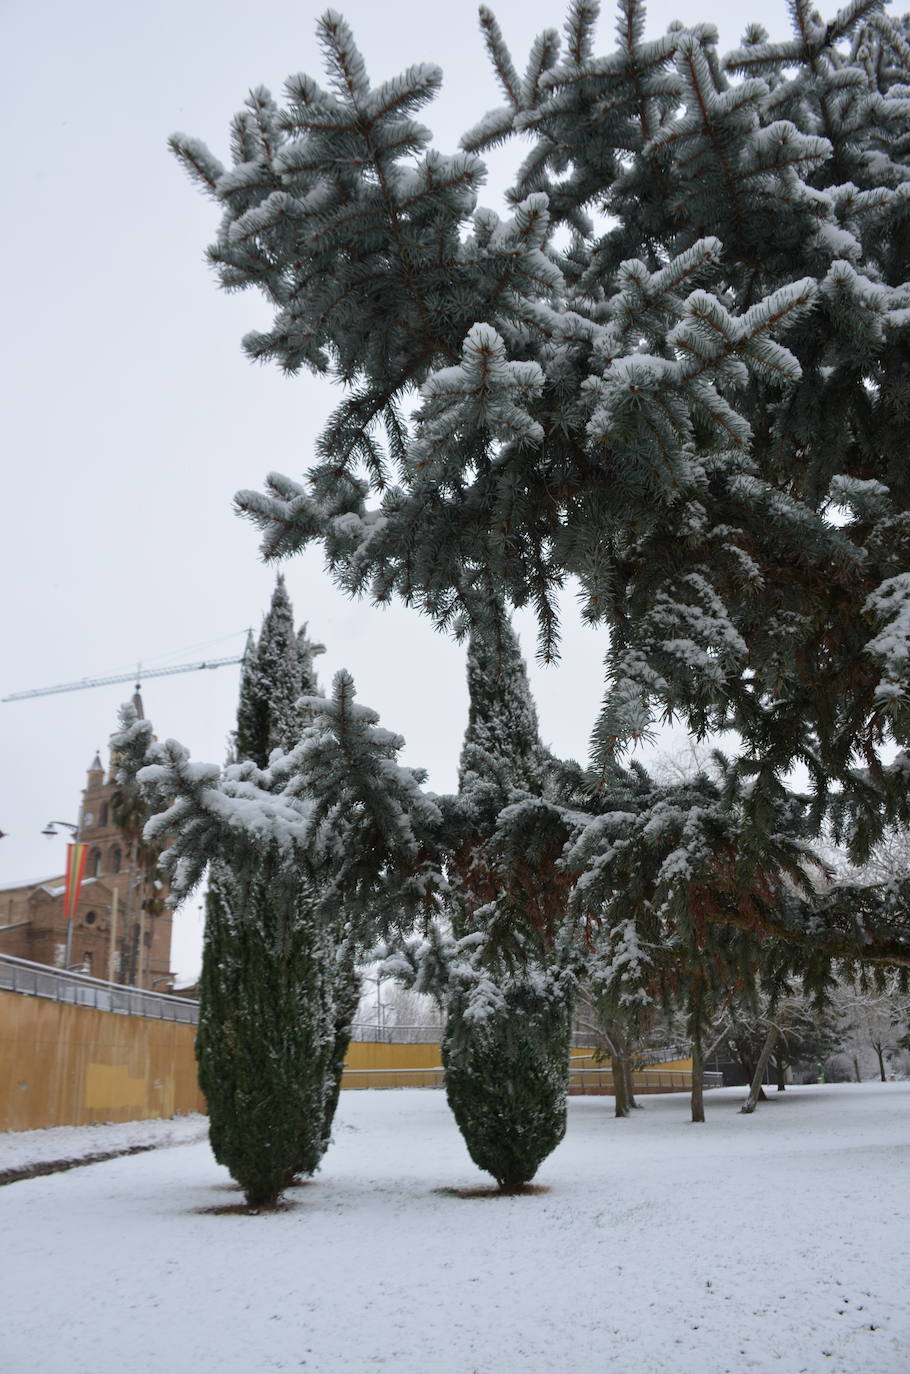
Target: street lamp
x=49 y=828
x=377 y=978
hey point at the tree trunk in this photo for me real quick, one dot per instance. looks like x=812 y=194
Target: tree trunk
x=751 y=1101
x=746 y=1062
x=781 y=1073
x=698 y=1081
x=698 y=1054
x=619 y=1062
x=881 y=1061
x=630 y=1083
x=620 y=1092
x=859 y=1077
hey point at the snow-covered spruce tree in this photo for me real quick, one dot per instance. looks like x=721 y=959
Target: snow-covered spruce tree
x=664 y=402
x=505 y=1047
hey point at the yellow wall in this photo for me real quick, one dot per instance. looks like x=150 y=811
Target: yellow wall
x=586 y=1059
x=69 y=1066
x=401 y=1058
x=396 y=1065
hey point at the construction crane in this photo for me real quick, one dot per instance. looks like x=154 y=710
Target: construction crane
x=138 y=677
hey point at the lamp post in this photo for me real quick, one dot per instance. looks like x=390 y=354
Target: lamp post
x=50 y=829
x=377 y=978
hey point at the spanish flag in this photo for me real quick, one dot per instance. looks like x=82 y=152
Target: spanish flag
x=75 y=868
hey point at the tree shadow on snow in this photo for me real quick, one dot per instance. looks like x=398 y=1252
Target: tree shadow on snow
x=241 y=1209
x=491 y=1190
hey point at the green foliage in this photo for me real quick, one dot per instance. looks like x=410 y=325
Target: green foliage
x=506 y=1074
x=665 y=403
x=277 y=672
x=508 y=1004
x=266 y=1045
x=347 y=984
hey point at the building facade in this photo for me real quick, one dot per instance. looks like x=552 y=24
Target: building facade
x=121 y=927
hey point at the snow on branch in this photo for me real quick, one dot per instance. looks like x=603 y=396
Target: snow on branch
x=485 y=390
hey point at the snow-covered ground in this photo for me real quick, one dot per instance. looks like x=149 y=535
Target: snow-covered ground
x=776 y=1242
x=20 y=1149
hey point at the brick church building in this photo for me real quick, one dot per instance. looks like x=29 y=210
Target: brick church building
x=121 y=927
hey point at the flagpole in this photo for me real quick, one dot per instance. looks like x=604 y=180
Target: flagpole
x=75 y=867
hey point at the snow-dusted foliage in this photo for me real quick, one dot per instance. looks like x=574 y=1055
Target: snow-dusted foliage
x=684 y=344
x=267 y=1027
x=305 y=854
x=277 y=671
x=506 y=1071
x=507 y=985
x=675 y=370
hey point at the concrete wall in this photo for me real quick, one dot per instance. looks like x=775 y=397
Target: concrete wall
x=62 y=1065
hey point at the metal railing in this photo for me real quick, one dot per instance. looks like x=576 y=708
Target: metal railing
x=665 y=1054
x=600 y=1080
x=78 y=989
x=393 y=1078
x=592 y=1081
x=364 y=1033
x=370 y=1033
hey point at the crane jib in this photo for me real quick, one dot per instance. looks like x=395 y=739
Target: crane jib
x=138 y=676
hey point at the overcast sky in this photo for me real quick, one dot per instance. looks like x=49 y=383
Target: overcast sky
x=131 y=415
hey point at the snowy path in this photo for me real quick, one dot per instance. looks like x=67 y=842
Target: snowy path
x=779 y=1242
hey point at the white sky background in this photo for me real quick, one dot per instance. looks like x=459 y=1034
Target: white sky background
x=131 y=415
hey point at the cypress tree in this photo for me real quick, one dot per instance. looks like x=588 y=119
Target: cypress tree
x=277 y=671
x=334 y=826
x=506 y=1073
x=265 y=1044
x=276 y=996
x=505 y=1046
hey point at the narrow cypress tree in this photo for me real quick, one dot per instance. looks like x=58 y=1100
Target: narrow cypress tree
x=265 y=1044
x=506 y=1042
x=276 y=996
x=347 y=985
x=506 y=1072
x=336 y=825
x=277 y=672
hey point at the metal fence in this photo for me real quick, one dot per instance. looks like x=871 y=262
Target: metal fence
x=393 y=1078
x=78 y=989
x=581 y=1081
x=363 y=1032
x=662 y=1054
x=599 y=1079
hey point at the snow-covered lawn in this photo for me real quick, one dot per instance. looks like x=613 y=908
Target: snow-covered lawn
x=774 y=1242
x=21 y=1149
